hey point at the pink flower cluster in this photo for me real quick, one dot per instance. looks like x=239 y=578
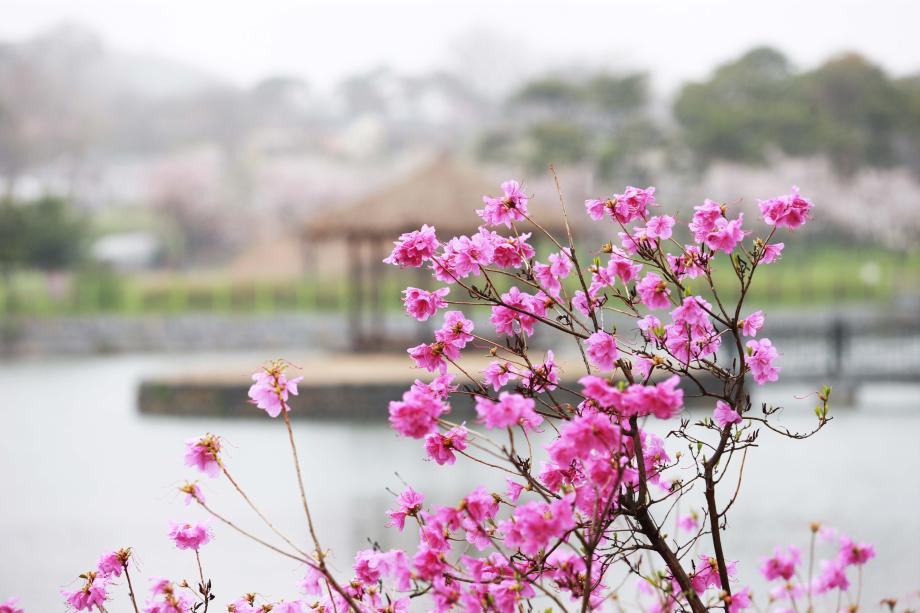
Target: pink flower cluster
x=783 y=567
x=586 y=468
x=510 y=410
x=165 y=597
x=790 y=211
x=190 y=536
x=624 y=208
x=450 y=338
x=663 y=400
x=94 y=591
x=417 y=413
x=9 y=606
x=271 y=389
x=203 y=453
x=414 y=248
x=511 y=206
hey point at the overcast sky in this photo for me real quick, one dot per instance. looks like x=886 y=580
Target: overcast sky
x=321 y=40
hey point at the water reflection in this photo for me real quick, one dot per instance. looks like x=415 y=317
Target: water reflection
x=82 y=472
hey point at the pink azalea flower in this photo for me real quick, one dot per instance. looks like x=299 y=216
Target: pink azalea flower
x=688 y=523
x=192 y=492
x=585 y=304
x=413 y=248
x=790 y=211
x=622 y=267
x=725 y=234
x=410 y=503
x=771 y=253
x=512 y=251
x=440 y=447
x=371 y=565
x=659 y=227
x=833 y=576
x=514 y=490
x=91 y=596
x=707 y=574
x=246 y=604
x=690 y=264
x=692 y=334
x=653 y=291
x=602 y=350
x=787 y=591
x=480 y=505
x=417 y=413
x=167 y=599
x=271 y=389
x=852 y=553
x=596 y=208
x=560 y=263
x=510 y=410
x=739 y=600
x=498 y=373
x=781 y=565
x=111 y=564
x=599 y=391
x=428 y=564
x=431 y=356
x=724 y=414
x=506 y=319
x=535 y=525
x=202 y=453
x=752 y=323
x=544 y=276
x=468 y=254
x=543 y=377
x=650 y=326
x=632 y=203
x=9 y=606
x=290 y=606
x=643 y=366
x=512 y=206
x=422 y=304
x=663 y=400
x=314 y=582
x=587 y=434
x=704 y=219
x=761 y=357
x=456 y=331
x=190 y=536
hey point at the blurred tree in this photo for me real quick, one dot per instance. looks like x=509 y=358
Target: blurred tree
x=55 y=236
x=599 y=118
x=617 y=94
x=907 y=138
x=555 y=142
x=44 y=234
x=854 y=107
x=746 y=106
x=549 y=94
x=847 y=109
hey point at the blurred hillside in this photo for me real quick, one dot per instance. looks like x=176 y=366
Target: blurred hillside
x=170 y=168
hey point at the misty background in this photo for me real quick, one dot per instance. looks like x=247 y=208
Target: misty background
x=175 y=178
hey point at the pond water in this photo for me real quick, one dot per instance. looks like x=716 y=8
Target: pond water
x=81 y=472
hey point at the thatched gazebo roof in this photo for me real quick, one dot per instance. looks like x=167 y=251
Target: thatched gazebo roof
x=443 y=194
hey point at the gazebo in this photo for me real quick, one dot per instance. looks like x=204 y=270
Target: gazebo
x=443 y=194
